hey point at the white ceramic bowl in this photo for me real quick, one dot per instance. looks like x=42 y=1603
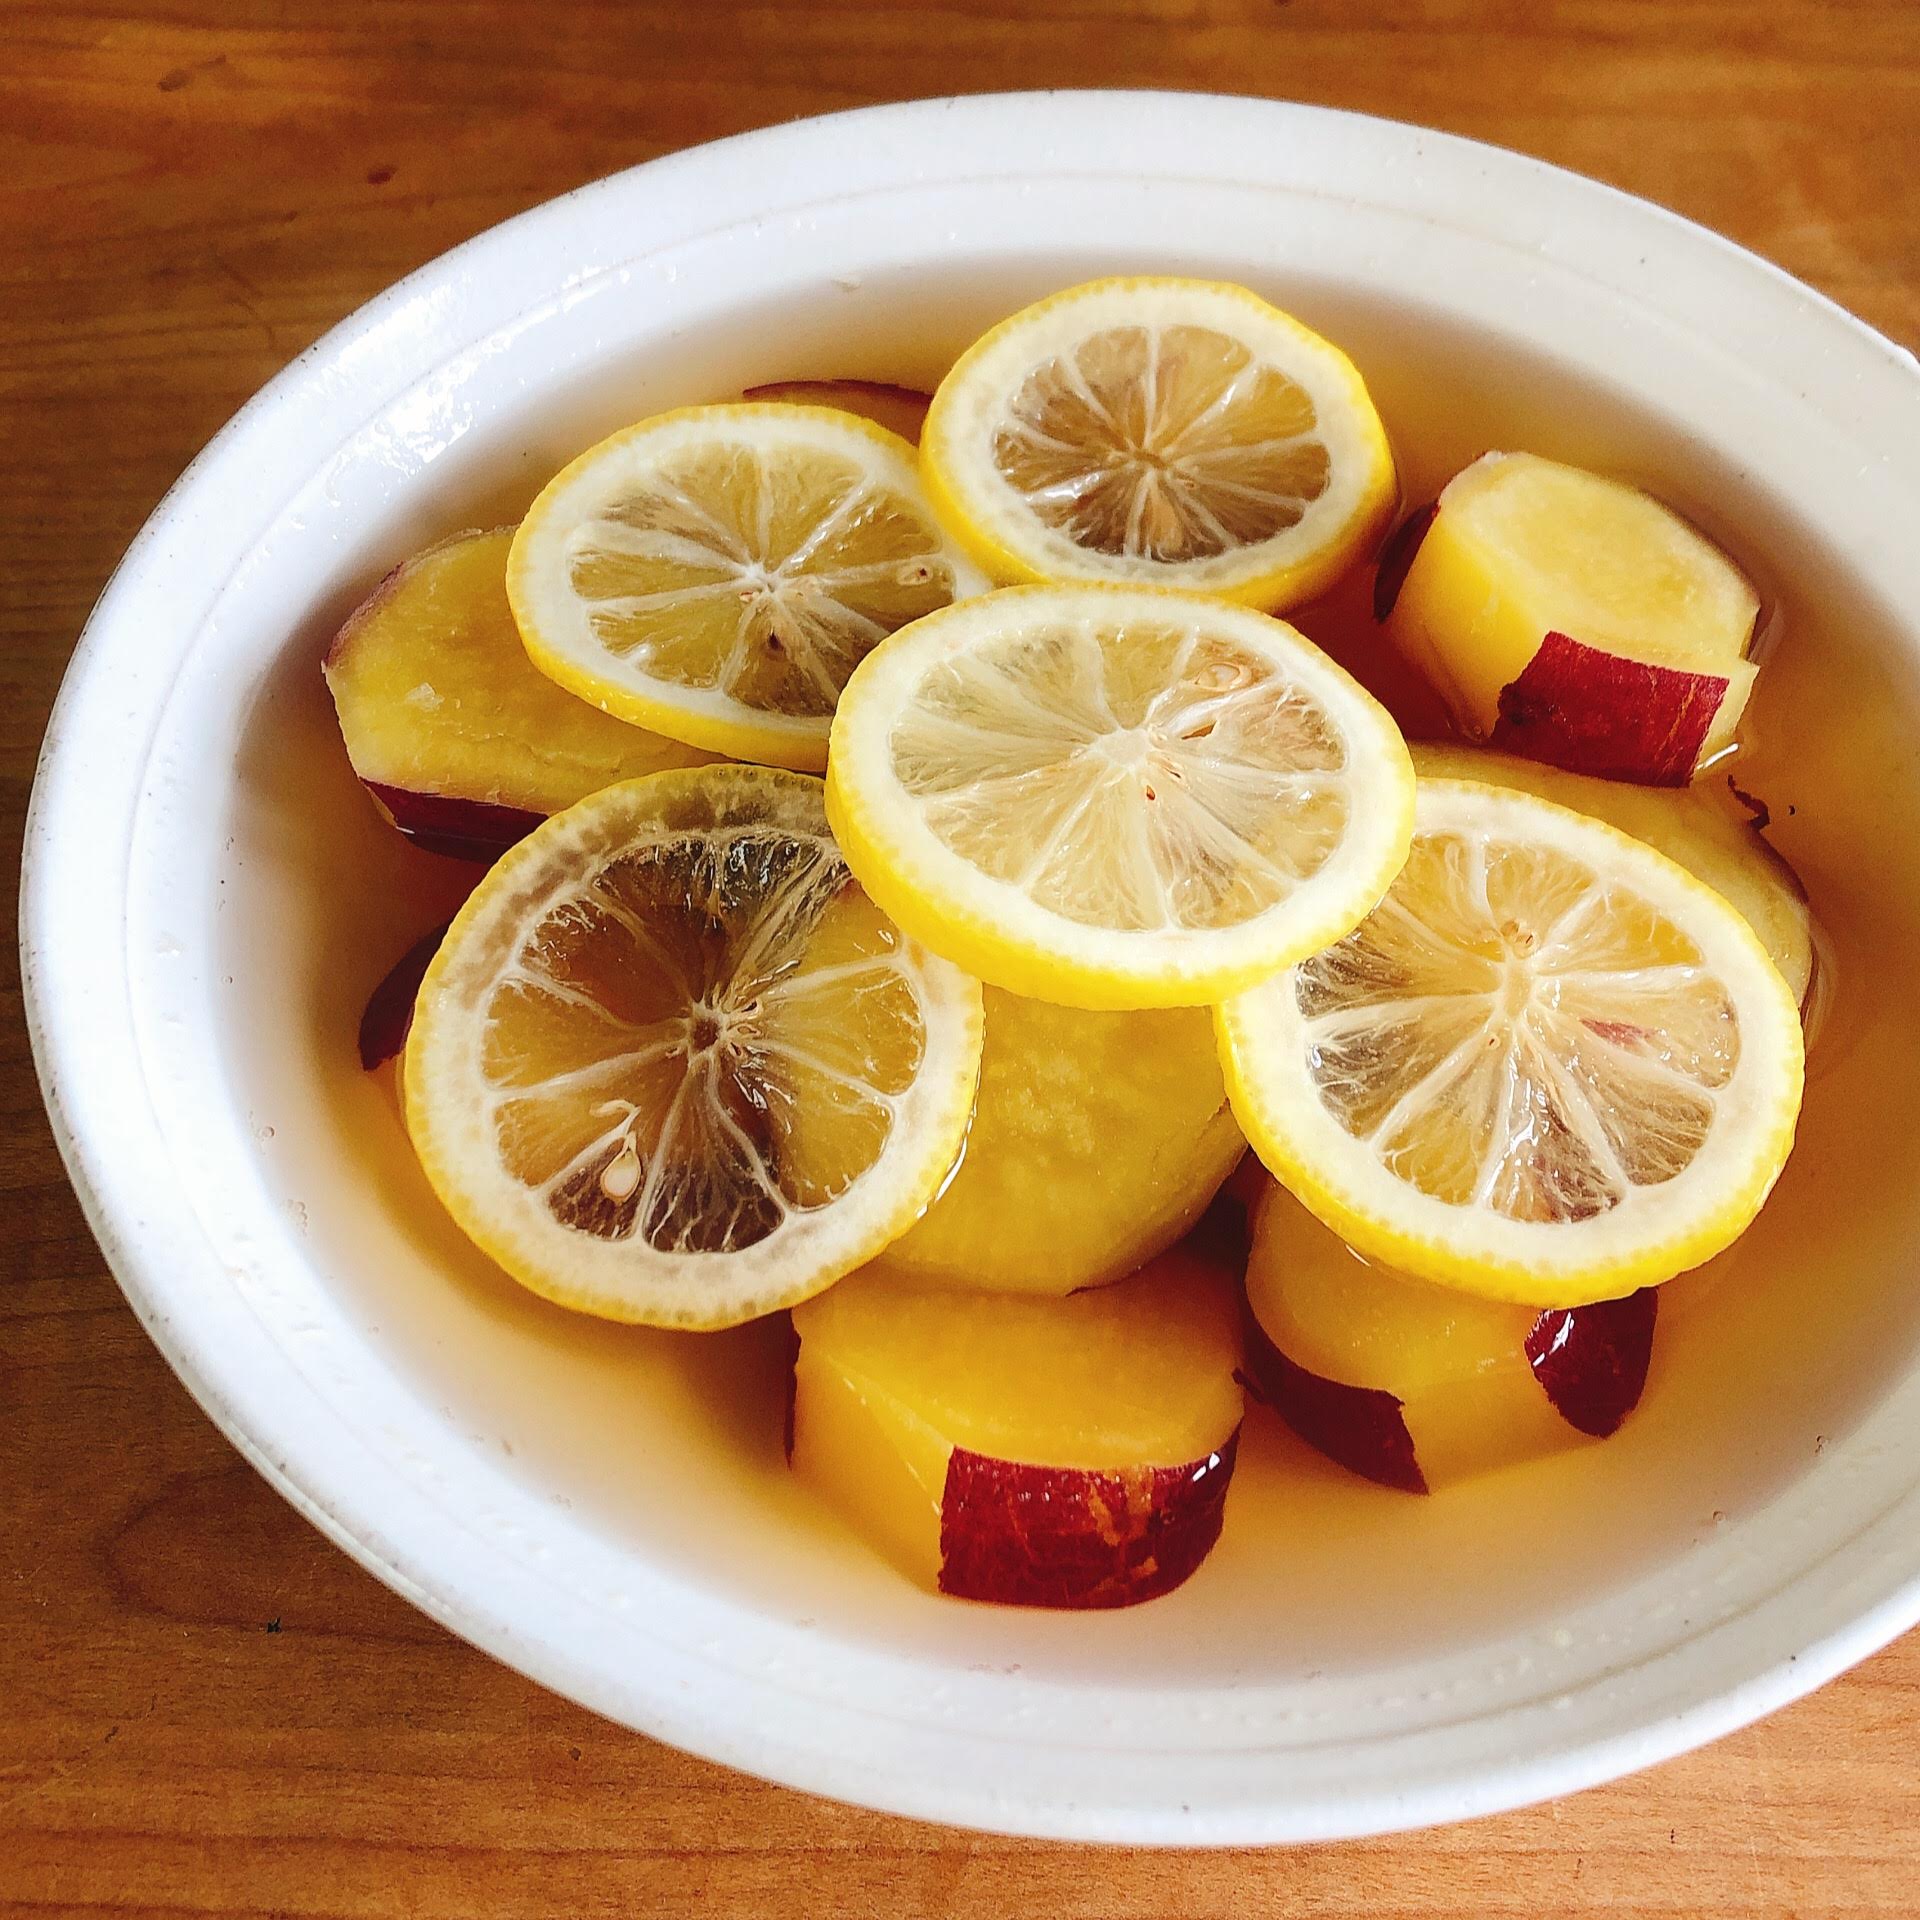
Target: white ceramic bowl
x=208 y=899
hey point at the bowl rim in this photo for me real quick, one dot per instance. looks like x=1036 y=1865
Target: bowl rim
x=398 y=338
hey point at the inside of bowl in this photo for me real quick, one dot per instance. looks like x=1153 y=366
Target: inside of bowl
x=668 y=1446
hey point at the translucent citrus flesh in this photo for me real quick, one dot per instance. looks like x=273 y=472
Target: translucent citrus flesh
x=1161 y=443
x=1218 y=808
x=669 y=573
x=672 y=1064
x=1103 y=1135
x=1523 y=546
x=1140 y=429
x=718 y=573
x=1687 y=824
x=694 y=1107
x=1561 y=1081
x=435 y=694
x=890 y=1379
x=1097 y=764
x=1525 y=1073
x=1457 y=1363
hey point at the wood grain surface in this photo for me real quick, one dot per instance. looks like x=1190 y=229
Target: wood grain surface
x=204 y=1708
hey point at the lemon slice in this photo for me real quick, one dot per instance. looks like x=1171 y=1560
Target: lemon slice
x=672 y=1065
x=1180 y=432
x=1108 y=797
x=715 y=574
x=1551 y=1066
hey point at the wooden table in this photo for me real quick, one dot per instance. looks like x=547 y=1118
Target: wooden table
x=200 y=1700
